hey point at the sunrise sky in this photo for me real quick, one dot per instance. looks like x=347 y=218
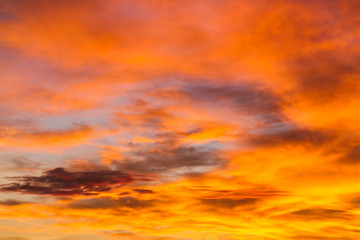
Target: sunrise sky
x=179 y=119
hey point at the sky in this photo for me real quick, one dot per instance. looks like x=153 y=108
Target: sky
x=179 y=120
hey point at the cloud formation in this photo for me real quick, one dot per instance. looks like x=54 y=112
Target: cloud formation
x=106 y=202
x=167 y=154
x=11 y=202
x=59 y=182
x=207 y=119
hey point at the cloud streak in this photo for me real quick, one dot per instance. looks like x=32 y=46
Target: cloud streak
x=59 y=182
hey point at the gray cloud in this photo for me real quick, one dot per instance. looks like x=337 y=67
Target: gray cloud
x=229 y=202
x=166 y=155
x=318 y=214
x=246 y=98
x=60 y=182
x=107 y=202
x=11 y=202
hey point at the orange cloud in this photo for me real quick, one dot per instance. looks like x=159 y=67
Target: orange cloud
x=179 y=119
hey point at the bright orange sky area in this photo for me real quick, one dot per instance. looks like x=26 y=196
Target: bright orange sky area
x=179 y=119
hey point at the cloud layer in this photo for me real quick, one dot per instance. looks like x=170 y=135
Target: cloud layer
x=179 y=119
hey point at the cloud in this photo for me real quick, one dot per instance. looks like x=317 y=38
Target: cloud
x=229 y=202
x=119 y=233
x=318 y=214
x=245 y=98
x=292 y=135
x=319 y=237
x=352 y=156
x=142 y=114
x=324 y=77
x=168 y=155
x=37 y=138
x=19 y=163
x=214 y=96
x=11 y=202
x=113 y=203
x=325 y=83
x=229 y=199
x=143 y=191
x=59 y=182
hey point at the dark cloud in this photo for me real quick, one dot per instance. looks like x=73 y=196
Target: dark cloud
x=314 y=237
x=292 y=135
x=193 y=175
x=107 y=202
x=353 y=200
x=166 y=155
x=11 y=202
x=257 y=193
x=145 y=162
x=143 y=191
x=247 y=98
x=229 y=202
x=318 y=214
x=352 y=156
x=123 y=193
x=59 y=182
x=324 y=76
